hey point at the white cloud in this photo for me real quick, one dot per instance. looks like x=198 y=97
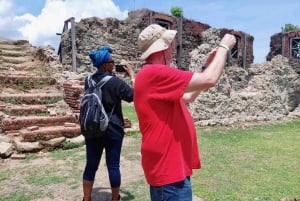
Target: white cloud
x=5 y=16
x=5 y=6
x=4 y=21
x=102 y=9
x=46 y=24
x=42 y=29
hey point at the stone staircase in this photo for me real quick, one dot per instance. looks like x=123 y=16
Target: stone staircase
x=33 y=113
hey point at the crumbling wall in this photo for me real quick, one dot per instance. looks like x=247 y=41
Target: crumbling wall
x=245 y=92
x=263 y=92
x=91 y=33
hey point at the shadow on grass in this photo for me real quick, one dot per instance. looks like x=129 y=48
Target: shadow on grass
x=104 y=194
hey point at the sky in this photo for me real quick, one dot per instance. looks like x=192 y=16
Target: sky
x=38 y=21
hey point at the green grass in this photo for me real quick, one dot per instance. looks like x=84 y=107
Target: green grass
x=129 y=112
x=136 y=191
x=17 y=196
x=257 y=163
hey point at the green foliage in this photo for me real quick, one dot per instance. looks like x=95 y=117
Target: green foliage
x=177 y=11
x=21 y=100
x=290 y=27
x=70 y=145
x=31 y=156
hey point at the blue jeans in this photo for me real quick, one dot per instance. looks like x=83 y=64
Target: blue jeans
x=112 y=143
x=179 y=191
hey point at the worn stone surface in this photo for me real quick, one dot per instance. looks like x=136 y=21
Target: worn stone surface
x=6 y=149
x=93 y=32
x=31 y=99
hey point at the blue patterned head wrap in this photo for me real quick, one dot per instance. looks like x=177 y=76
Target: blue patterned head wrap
x=100 y=56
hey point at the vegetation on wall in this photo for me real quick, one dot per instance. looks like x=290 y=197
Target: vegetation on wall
x=290 y=27
x=176 y=11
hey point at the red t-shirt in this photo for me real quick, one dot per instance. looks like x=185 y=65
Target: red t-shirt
x=169 y=143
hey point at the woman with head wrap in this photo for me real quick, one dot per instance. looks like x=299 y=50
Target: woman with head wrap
x=113 y=92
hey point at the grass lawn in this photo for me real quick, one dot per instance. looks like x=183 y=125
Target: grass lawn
x=260 y=163
x=256 y=163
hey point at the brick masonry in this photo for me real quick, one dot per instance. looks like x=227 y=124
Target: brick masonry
x=281 y=44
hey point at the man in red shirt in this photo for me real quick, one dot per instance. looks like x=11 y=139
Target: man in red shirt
x=169 y=142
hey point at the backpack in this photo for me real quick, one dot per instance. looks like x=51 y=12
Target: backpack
x=93 y=117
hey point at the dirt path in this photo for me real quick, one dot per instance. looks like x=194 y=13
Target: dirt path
x=69 y=191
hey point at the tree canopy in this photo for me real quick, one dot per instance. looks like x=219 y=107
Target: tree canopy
x=177 y=11
x=290 y=27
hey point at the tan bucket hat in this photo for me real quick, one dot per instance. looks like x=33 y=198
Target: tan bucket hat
x=154 y=38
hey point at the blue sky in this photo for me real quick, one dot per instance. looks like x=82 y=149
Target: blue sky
x=39 y=20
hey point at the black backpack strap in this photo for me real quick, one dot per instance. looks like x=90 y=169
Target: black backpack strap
x=101 y=84
x=92 y=83
x=103 y=81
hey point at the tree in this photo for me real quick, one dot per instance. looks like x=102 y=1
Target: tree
x=177 y=11
x=290 y=27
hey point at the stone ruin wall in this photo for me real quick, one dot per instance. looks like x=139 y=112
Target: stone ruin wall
x=91 y=33
x=255 y=92
x=269 y=91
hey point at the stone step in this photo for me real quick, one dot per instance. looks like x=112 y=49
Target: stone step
x=14 y=60
x=31 y=98
x=26 y=80
x=9 y=45
x=13 y=42
x=25 y=110
x=14 y=53
x=28 y=65
x=14 y=48
x=2 y=68
x=18 y=122
x=33 y=134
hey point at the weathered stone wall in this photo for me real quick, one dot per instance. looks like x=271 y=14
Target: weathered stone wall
x=266 y=92
x=263 y=92
x=91 y=33
x=245 y=92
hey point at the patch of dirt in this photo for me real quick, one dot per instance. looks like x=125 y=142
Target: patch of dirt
x=71 y=189
x=131 y=171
